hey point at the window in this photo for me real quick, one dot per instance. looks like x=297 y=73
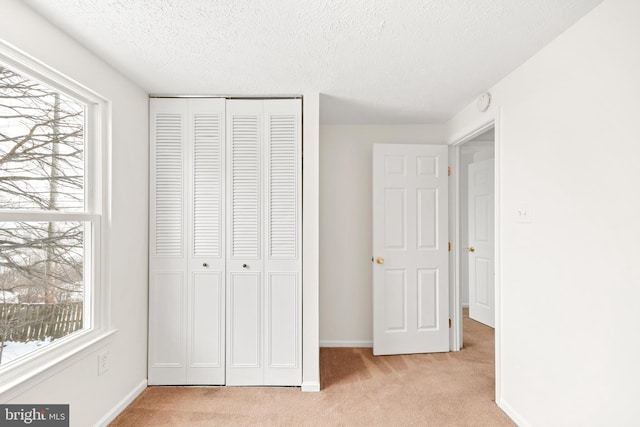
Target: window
x=50 y=215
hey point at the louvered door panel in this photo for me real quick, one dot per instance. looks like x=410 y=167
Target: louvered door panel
x=207 y=185
x=169 y=203
x=282 y=216
x=245 y=186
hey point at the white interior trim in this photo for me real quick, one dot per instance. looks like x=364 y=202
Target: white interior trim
x=37 y=70
x=120 y=406
x=455 y=341
x=311 y=386
x=26 y=372
x=515 y=416
x=497 y=144
x=456 y=142
x=311 y=241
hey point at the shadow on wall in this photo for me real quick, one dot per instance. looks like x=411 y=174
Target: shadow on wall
x=348 y=111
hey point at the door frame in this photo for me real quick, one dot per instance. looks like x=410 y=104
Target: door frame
x=455 y=143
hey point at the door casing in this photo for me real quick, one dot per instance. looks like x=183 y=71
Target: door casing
x=455 y=308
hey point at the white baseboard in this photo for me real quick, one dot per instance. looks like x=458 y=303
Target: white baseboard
x=311 y=386
x=515 y=417
x=365 y=344
x=120 y=406
x=465 y=305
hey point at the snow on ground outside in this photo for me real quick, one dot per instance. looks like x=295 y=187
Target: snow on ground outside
x=12 y=350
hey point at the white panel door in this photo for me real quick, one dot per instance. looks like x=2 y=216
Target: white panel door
x=481 y=242
x=186 y=266
x=410 y=247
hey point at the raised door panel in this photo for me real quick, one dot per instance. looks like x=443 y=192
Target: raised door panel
x=167 y=339
x=482 y=281
x=206 y=348
x=427 y=203
x=395 y=219
x=283 y=334
x=395 y=300
x=244 y=345
x=427 y=299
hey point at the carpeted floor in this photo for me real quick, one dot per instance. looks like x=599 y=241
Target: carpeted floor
x=358 y=389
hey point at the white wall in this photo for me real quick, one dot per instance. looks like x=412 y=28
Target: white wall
x=346 y=225
x=568 y=145
x=90 y=396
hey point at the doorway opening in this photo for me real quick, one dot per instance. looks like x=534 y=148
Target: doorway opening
x=487 y=133
x=473 y=229
x=476 y=228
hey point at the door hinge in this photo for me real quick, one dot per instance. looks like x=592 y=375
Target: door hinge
x=449 y=323
x=449 y=246
x=448 y=170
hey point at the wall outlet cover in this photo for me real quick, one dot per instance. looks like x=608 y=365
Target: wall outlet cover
x=103 y=362
x=523 y=214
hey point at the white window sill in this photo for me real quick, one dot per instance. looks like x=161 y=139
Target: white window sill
x=23 y=374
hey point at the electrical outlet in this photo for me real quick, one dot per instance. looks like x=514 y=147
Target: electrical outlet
x=103 y=362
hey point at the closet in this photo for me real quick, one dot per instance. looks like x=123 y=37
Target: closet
x=225 y=242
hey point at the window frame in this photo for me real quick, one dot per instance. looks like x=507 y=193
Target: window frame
x=32 y=368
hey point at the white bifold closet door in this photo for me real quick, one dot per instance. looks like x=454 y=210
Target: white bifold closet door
x=225 y=242
x=187 y=247
x=264 y=246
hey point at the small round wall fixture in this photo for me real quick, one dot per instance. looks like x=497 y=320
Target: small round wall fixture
x=484 y=101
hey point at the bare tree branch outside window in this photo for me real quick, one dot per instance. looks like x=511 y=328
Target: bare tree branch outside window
x=41 y=169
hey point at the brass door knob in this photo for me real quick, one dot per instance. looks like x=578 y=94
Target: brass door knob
x=380 y=260
x=471 y=249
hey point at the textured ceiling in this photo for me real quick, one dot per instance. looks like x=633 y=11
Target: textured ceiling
x=373 y=61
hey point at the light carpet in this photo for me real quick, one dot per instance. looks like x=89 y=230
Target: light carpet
x=358 y=389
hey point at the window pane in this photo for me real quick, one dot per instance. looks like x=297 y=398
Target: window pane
x=41 y=146
x=41 y=284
